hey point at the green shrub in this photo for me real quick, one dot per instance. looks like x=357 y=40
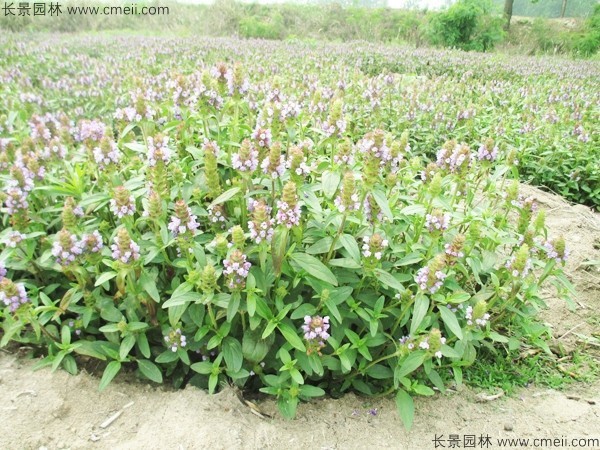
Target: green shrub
x=254 y=27
x=468 y=25
x=588 y=42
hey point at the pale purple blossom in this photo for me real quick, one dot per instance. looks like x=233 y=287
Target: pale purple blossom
x=480 y=322
x=158 y=150
x=236 y=269
x=105 y=158
x=12 y=295
x=14 y=238
x=428 y=283
x=316 y=329
x=437 y=222
x=175 y=340
x=287 y=216
x=66 y=248
x=92 y=243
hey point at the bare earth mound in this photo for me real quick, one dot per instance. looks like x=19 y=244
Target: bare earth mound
x=56 y=411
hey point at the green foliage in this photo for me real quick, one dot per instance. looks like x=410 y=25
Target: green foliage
x=468 y=25
x=254 y=27
x=392 y=254
x=588 y=42
x=550 y=8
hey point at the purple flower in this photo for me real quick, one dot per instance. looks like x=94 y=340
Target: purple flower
x=481 y=322
x=124 y=248
x=288 y=216
x=14 y=237
x=66 y=248
x=261 y=225
x=158 y=150
x=12 y=295
x=437 y=221
x=216 y=215
x=123 y=203
x=106 y=153
x=175 y=340
x=316 y=332
x=92 y=243
x=428 y=281
x=246 y=160
x=91 y=130
x=16 y=200
x=262 y=136
x=2 y=271
x=183 y=221
x=454 y=157
x=486 y=154
x=236 y=270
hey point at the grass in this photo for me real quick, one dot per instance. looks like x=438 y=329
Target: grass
x=511 y=372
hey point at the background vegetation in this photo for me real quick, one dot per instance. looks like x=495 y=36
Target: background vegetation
x=467 y=24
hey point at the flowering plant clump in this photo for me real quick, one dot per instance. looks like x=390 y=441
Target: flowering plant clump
x=289 y=232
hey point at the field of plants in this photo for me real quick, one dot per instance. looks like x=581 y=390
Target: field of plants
x=293 y=219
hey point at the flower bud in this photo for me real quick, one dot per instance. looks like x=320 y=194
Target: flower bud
x=238 y=237
x=68 y=217
x=208 y=279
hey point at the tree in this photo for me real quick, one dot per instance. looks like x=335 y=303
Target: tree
x=508 y=10
x=564 y=8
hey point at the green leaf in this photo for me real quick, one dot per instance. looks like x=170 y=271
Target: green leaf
x=406 y=408
x=314 y=267
x=150 y=370
x=149 y=286
x=233 y=306
x=380 y=372
x=166 y=357
x=419 y=312
x=291 y=336
x=203 y=367
x=287 y=406
x=112 y=369
x=383 y=204
x=321 y=246
x=330 y=182
x=412 y=258
x=311 y=391
x=346 y=263
x=225 y=196
x=412 y=362
x=181 y=299
x=70 y=365
x=175 y=313
x=254 y=349
x=389 y=280
x=333 y=309
x=496 y=337
x=212 y=382
x=451 y=322
x=421 y=389
x=89 y=348
x=232 y=352
x=449 y=352
x=126 y=345
x=349 y=243
x=413 y=210
x=104 y=278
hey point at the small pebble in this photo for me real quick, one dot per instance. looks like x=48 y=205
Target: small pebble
x=508 y=427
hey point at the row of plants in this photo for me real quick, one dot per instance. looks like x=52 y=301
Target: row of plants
x=216 y=224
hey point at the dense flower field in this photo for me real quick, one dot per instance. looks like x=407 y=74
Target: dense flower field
x=291 y=218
